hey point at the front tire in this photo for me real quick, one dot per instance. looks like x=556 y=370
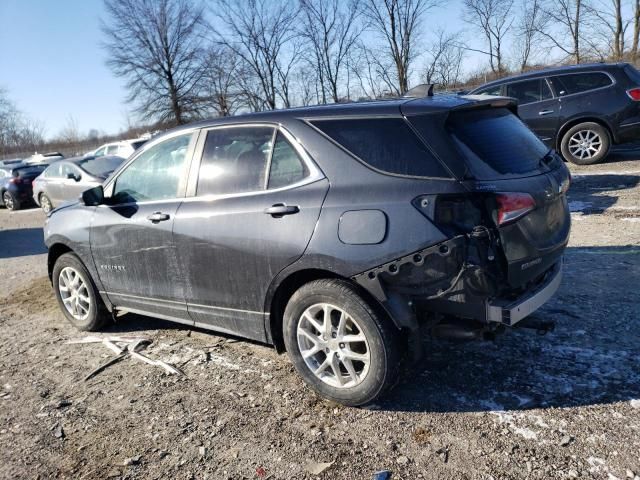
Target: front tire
x=77 y=294
x=586 y=143
x=343 y=349
x=45 y=203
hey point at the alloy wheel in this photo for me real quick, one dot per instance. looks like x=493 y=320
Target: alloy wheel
x=585 y=144
x=74 y=293
x=333 y=345
x=45 y=203
x=8 y=201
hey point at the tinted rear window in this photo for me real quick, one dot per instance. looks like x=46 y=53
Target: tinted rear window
x=496 y=141
x=387 y=144
x=580 y=82
x=29 y=171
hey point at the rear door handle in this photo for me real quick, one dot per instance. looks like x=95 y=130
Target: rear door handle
x=545 y=112
x=280 y=209
x=158 y=217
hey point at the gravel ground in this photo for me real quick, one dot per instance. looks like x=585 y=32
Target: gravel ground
x=564 y=405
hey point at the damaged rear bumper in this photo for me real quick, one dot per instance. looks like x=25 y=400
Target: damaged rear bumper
x=510 y=312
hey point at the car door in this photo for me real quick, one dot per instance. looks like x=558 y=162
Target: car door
x=252 y=212
x=131 y=234
x=71 y=188
x=537 y=106
x=53 y=182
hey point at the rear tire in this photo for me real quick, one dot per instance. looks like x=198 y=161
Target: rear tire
x=586 y=143
x=45 y=203
x=10 y=201
x=353 y=358
x=77 y=295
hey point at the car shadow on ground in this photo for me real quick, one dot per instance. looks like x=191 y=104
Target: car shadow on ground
x=585 y=193
x=21 y=242
x=592 y=357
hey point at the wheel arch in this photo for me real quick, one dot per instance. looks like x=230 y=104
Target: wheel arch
x=56 y=251
x=290 y=284
x=575 y=121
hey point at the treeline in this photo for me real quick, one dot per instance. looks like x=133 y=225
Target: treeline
x=184 y=59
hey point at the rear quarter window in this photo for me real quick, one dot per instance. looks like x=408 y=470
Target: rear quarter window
x=580 y=82
x=386 y=144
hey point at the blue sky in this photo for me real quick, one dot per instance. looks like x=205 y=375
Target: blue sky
x=53 y=67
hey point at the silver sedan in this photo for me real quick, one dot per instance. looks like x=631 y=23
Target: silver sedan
x=66 y=180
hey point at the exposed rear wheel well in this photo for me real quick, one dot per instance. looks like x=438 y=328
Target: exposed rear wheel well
x=290 y=285
x=573 y=123
x=55 y=251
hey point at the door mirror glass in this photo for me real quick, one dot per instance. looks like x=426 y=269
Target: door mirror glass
x=94 y=196
x=157 y=173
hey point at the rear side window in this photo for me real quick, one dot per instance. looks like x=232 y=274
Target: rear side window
x=494 y=140
x=495 y=90
x=387 y=144
x=529 y=91
x=234 y=160
x=580 y=82
x=287 y=167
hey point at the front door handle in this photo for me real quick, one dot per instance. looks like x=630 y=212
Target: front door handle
x=280 y=209
x=158 y=217
x=545 y=112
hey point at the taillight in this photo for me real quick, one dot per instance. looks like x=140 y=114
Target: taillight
x=16 y=180
x=634 y=94
x=512 y=206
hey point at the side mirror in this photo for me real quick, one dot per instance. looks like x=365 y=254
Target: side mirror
x=73 y=176
x=94 y=196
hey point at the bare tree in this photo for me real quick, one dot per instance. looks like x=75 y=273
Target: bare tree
x=610 y=27
x=70 y=132
x=398 y=22
x=567 y=17
x=17 y=133
x=444 y=60
x=493 y=18
x=636 y=31
x=260 y=33
x=222 y=69
x=155 y=46
x=331 y=29
x=528 y=28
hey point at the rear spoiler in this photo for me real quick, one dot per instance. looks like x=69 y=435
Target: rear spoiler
x=428 y=105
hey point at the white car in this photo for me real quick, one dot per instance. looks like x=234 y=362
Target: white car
x=123 y=148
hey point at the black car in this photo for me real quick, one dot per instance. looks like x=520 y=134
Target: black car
x=580 y=110
x=338 y=233
x=15 y=184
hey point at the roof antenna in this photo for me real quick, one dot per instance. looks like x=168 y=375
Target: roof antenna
x=422 y=90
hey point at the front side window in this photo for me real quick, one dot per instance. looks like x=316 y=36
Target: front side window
x=234 y=160
x=100 y=152
x=156 y=174
x=580 y=82
x=112 y=149
x=53 y=171
x=387 y=144
x=67 y=169
x=529 y=91
x=287 y=167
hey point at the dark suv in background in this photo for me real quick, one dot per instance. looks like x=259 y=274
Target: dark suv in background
x=339 y=233
x=579 y=110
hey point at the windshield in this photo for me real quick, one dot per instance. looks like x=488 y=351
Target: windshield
x=100 y=167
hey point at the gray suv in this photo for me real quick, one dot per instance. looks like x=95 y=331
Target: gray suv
x=339 y=233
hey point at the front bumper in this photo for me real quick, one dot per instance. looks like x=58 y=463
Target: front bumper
x=510 y=312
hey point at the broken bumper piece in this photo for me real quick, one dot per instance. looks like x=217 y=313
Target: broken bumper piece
x=510 y=312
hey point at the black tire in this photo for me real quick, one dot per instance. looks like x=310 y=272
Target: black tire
x=593 y=130
x=45 y=203
x=97 y=313
x=381 y=338
x=11 y=202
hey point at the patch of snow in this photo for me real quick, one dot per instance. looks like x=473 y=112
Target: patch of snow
x=631 y=219
x=635 y=403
